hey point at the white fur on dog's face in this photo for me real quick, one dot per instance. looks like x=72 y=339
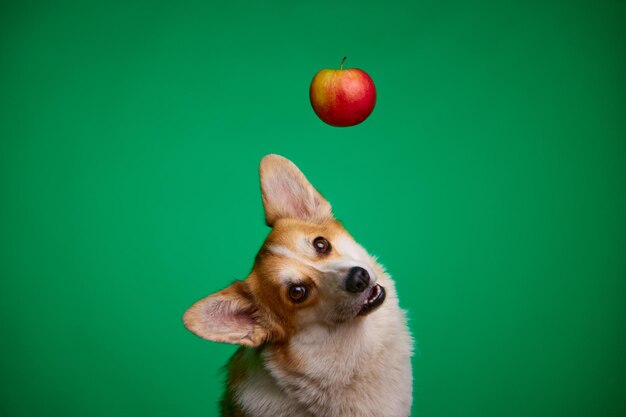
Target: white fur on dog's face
x=323 y=275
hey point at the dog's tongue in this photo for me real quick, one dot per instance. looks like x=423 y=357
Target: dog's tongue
x=373 y=293
x=374 y=300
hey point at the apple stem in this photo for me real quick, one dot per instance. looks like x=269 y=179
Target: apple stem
x=342 y=61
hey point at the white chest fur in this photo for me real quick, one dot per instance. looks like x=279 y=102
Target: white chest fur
x=359 y=369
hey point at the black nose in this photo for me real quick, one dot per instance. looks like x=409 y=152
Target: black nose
x=357 y=280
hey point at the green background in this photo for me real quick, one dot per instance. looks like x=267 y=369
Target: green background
x=490 y=180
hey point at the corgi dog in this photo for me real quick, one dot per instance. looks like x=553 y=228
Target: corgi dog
x=320 y=330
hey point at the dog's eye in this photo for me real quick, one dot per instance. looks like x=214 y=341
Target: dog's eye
x=297 y=293
x=321 y=245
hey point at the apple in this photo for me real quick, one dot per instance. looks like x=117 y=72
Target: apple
x=343 y=97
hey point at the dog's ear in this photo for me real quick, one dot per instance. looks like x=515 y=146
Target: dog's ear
x=228 y=316
x=288 y=194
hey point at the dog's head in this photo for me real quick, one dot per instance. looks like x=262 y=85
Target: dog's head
x=309 y=271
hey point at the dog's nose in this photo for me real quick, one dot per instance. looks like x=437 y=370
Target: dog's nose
x=357 y=280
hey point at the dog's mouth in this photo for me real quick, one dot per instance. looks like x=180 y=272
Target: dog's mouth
x=375 y=298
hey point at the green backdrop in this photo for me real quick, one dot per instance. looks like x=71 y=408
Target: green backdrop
x=489 y=179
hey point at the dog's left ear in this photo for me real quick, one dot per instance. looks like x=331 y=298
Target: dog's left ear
x=288 y=194
x=228 y=316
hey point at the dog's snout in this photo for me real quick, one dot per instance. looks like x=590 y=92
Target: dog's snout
x=357 y=280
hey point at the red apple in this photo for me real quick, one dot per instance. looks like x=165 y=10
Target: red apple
x=343 y=97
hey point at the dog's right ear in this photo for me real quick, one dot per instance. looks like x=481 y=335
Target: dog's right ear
x=228 y=316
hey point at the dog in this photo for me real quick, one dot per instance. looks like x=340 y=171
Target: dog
x=317 y=318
